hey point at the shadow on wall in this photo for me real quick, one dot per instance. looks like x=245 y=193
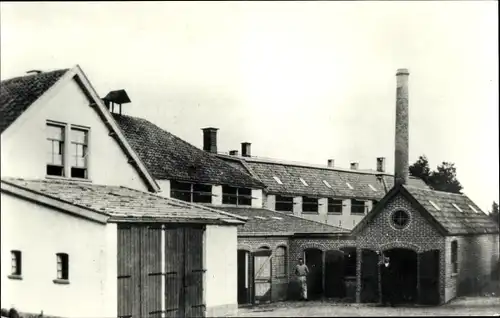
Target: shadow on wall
x=294 y=290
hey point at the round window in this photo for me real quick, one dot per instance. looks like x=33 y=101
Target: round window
x=400 y=219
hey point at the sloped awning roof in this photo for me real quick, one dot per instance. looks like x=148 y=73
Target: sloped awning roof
x=119 y=204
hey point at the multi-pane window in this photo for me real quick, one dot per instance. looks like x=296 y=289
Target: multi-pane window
x=280 y=261
x=349 y=261
x=334 y=205
x=284 y=204
x=309 y=205
x=357 y=206
x=62 y=266
x=189 y=192
x=55 y=150
x=78 y=152
x=454 y=256
x=236 y=196
x=16 y=263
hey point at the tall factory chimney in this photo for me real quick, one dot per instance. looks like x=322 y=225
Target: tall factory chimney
x=401 y=170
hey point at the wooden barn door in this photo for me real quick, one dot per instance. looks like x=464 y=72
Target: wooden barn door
x=429 y=278
x=139 y=271
x=334 y=274
x=369 y=277
x=184 y=272
x=262 y=276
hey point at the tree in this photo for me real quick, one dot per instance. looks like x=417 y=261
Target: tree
x=494 y=214
x=444 y=178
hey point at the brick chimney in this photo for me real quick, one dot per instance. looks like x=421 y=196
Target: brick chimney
x=354 y=165
x=401 y=168
x=381 y=164
x=210 y=139
x=233 y=152
x=246 y=149
x=331 y=163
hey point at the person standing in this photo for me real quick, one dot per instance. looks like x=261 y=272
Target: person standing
x=387 y=276
x=302 y=271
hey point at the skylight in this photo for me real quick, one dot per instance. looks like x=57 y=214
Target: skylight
x=327 y=184
x=434 y=205
x=349 y=185
x=277 y=180
x=303 y=182
x=473 y=209
x=372 y=187
x=457 y=207
x=260 y=217
x=277 y=217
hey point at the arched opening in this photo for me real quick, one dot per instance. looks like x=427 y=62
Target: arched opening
x=244 y=277
x=401 y=280
x=313 y=258
x=335 y=274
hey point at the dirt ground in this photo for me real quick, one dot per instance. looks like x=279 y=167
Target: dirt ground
x=467 y=306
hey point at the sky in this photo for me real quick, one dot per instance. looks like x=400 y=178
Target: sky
x=302 y=81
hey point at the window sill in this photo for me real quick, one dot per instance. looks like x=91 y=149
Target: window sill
x=334 y=213
x=313 y=213
x=61 y=281
x=68 y=179
x=16 y=277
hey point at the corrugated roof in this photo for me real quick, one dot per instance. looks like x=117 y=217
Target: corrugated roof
x=267 y=221
x=19 y=93
x=169 y=157
x=452 y=219
x=362 y=182
x=123 y=203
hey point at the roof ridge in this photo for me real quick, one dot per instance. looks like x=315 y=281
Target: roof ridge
x=34 y=75
x=438 y=191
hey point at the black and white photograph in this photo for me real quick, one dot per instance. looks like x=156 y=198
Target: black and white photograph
x=249 y=159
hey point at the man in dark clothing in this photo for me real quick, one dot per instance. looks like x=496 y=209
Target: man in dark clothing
x=387 y=276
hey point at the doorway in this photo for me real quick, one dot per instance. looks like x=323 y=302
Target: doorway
x=243 y=277
x=262 y=271
x=404 y=280
x=313 y=258
x=334 y=274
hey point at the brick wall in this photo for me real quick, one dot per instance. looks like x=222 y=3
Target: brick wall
x=478 y=258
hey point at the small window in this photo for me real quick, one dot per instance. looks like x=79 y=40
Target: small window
x=454 y=256
x=202 y=193
x=180 y=190
x=400 y=219
x=372 y=187
x=304 y=182
x=334 y=205
x=357 y=206
x=349 y=261
x=457 y=207
x=284 y=204
x=349 y=185
x=78 y=151
x=473 y=209
x=236 y=196
x=434 y=205
x=16 y=263
x=327 y=184
x=55 y=150
x=280 y=261
x=309 y=205
x=62 y=266
x=277 y=180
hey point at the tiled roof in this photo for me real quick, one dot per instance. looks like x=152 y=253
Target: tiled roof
x=339 y=179
x=17 y=94
x=169 y=157
x=466 y=221
x=122 y=203
x=267 y=221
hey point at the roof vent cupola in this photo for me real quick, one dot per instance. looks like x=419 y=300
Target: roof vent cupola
x=117 y=97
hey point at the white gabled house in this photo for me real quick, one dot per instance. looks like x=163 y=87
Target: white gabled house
x=82 y=232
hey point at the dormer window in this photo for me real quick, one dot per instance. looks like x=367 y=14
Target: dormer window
x=334 y=205
x=189 y=192
x=236 y=196
x=309 y=205
x=357 y=206
x=457 y=207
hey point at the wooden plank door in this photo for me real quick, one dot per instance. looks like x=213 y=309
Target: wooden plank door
x=174 y=272
x=429 y=277
x=127 y=288
x=151 y=271
x=194 y=272
x=370 y=292
x=262 y=276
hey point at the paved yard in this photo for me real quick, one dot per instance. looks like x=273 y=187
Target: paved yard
x=477 y=306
